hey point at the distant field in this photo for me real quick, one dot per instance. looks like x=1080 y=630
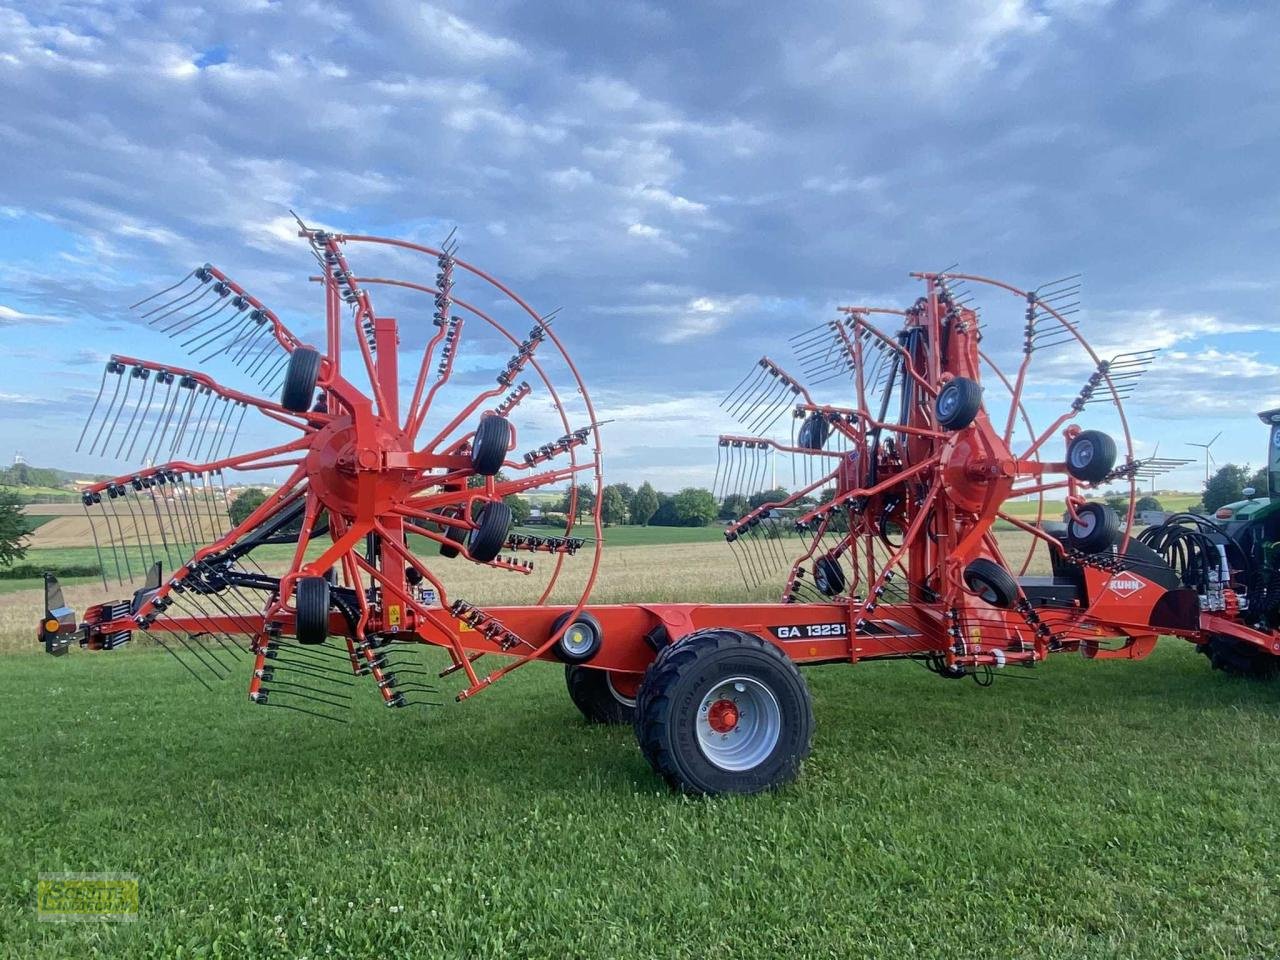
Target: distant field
x=43 y=493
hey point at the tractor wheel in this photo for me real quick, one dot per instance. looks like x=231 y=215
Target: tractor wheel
x=813 y=432
x=311 y=601
x=489 y=446
x=1239 y=659
x=723 y=711
x=594 y=694
x=581 y=641
x=1096 y=530
x=992 y=582
x=828 y=577
x=300 y=380
x=456 y=535
x=958 y=403
x=490 y=535
x=1090 y=456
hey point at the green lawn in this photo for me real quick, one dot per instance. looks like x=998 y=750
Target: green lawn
x=1104 y=810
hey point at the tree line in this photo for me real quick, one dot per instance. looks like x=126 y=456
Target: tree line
x=620 y=504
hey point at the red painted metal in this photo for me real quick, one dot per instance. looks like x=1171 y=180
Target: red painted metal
x=362 y=461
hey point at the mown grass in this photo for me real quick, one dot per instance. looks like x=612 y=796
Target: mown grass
x=1102 y=810
x=1105 y=810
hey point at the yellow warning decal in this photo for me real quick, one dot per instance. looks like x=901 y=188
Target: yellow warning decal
x=393 y=614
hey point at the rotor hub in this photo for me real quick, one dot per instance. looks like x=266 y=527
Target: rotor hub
x=345 y=465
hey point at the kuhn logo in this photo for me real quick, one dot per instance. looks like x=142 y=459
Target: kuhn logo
x=1125 y=586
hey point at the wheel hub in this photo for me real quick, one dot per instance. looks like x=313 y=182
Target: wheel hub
x=722 y=716
x=342 y=462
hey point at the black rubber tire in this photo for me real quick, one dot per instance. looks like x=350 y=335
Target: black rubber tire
x=593 y=694
x=828 y=577
x=1099 y=531
x=490 y=535
x=673 y=689
x=300 y=380
x=991 y=582
x=1090 y=456
x=489 y=445
x=1239 y=659
x=311 y=601
x=593 y=647
x=958 y=403
x=457 y=535
x=813 y=432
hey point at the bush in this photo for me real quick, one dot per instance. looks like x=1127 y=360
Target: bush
x=29 y=571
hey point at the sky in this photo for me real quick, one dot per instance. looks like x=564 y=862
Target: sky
x=690 y=185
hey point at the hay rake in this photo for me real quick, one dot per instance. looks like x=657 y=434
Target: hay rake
x=886 y=547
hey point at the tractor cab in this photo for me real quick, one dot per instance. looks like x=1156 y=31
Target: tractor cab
x=1258 y=505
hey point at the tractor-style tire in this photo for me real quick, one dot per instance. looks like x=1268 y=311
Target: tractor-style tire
x=722 y=711
x=489 y=445
x=300 y=380
x=311 y=603
x=581 y=641
x=593 y=693
x=828 y=576
x=1096 y=530
x=958 y=403
x=490 y=535
x=1239 y=659
x=1090 y=456
x=991 y=582
x=813 y=432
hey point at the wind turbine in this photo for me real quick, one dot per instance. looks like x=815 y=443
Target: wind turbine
x=1208 y=455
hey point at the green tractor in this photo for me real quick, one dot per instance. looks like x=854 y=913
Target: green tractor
x=1232 y=560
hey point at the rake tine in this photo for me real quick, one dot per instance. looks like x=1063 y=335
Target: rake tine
x=188 y=321
x=221 y=671
x=162 y=421
x=92 y=410
x=161 y=293
x=164 y=646
x=201 y=319
x=297 y=709
x=143 y=403
x=123 y=548
x=189 y=385
x=97 y=548
x=188 y=299
x=124 y=402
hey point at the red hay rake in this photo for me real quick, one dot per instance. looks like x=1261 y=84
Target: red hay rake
x=886 y=549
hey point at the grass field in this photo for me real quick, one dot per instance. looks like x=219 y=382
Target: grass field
x=1104 y=810
x=1081 y=810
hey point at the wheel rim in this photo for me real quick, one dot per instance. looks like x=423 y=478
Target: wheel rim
x=1083 y=527
x=739 y=724
x=613 y=690
x=947 y=401
x=1082 y=455
x=577 y=639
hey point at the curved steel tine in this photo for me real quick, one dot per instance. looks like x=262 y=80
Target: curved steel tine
x=92 y=410
x=181 y=303
x=161 y=293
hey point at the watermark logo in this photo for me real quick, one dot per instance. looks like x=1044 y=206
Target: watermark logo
x=63 y=897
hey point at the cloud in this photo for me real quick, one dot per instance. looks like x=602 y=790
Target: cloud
x=465 y=40
x=10 y=317
x=701 y=317
x=720 y=192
